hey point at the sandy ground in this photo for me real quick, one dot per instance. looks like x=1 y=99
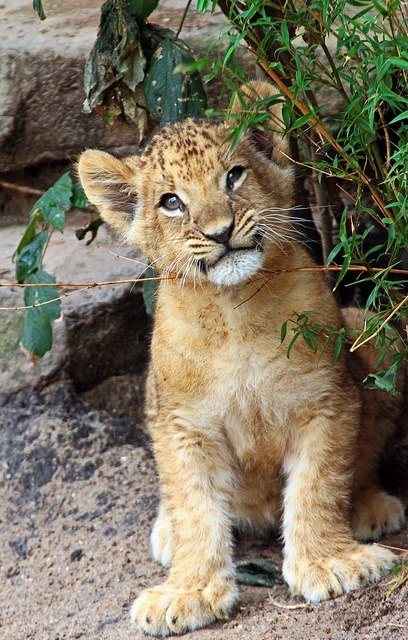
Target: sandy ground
x=79 y=494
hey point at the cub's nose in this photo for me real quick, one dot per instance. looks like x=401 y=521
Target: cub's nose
x=222 y=235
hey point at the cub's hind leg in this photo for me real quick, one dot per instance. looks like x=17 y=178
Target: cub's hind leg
x=376 y=513
x=197 y=484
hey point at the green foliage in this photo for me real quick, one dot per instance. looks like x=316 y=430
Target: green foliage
x=142 y=9
x=41 y=296
x=171 y=93
x=45 y=307
x=91 y=228
x=353 y=54
x=385 y=380
x=399 y=577
x=318 y=337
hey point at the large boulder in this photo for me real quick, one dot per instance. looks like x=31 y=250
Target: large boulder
x=102 y=330
x=41 y=75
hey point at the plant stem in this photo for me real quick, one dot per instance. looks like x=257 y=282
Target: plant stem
x=188 y=5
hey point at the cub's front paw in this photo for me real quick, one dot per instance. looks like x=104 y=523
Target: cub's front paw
x=376 y=514
x=165 y=609
x=356 y=567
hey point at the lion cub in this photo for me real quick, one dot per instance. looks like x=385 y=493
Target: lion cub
x=243 y=436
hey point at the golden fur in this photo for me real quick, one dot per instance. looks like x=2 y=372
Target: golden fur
x=243 y=436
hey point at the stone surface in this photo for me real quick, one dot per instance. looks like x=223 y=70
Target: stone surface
x=41 y=74
x=102 y=330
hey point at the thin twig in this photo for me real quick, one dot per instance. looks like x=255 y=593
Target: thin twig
x=186 y=10
x=388 y=546
x=356 y=345
x=356 y=268
x=30 y=191
x=41 y=304
x=289 y=607
x=118 y=255
x=88 y=285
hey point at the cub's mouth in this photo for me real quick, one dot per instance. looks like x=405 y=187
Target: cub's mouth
x=235 y=266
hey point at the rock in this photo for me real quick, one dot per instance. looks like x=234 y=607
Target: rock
x=102 y=330
x=41 y=74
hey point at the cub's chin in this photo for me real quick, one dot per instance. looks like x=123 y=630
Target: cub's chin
x=235 y=267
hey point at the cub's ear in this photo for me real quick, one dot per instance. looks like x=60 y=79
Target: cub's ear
x=109 y=183
x=271 y=142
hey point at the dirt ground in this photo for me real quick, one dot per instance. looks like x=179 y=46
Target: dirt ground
x=79 y=494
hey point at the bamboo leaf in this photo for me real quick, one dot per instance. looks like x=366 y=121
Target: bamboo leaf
x=37 y=329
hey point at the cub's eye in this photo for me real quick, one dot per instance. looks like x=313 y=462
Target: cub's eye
x=233 y=176
x=172 y=203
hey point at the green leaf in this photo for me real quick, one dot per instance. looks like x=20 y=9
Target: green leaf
x=37 y=333
x=37 y=330
x=142 y=8
x=260 y=573
x=172 y=92
x=202 y=5
x=47 y=296
x=37 y=6
x=310 y=339
x=401 y=116
x=333 y=253
x=55 y=202
x=29 y=257
x=337 y=348
x=291 y=343
x=283 y=331
x=78 y=197
x=384 y=380
x=29 y=233
x=344 y=269
x=149 y=290
x=398 y=62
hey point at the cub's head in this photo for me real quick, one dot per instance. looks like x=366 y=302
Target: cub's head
x=197 y=208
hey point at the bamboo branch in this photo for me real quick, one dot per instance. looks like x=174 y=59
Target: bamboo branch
x=356 y=344
x=321 y=130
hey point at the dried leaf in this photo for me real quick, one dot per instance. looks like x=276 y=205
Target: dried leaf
x=116 y=59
